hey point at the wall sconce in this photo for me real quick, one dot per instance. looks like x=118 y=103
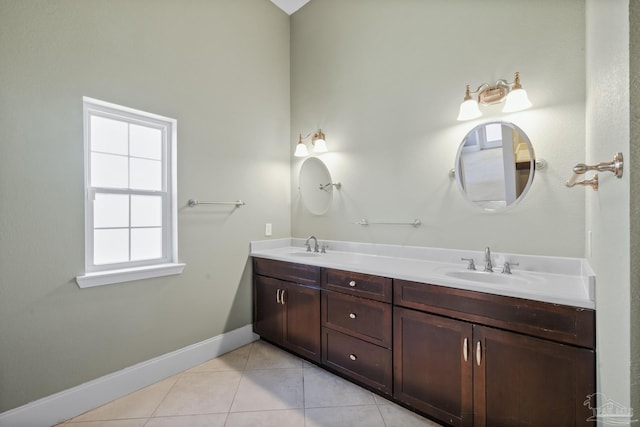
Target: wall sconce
x=516 y=98
x=317 y=140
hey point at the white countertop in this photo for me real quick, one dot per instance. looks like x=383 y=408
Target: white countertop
x=559 y=280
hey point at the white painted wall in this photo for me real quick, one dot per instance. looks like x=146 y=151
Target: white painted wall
x=384 y=81
x=608 y=131
x=634 y=214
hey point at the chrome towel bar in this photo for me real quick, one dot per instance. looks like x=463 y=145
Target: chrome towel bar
x=194 y=202
x=415 y=223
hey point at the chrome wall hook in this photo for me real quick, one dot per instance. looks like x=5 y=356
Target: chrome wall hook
x=615 y=166
x=593 y=182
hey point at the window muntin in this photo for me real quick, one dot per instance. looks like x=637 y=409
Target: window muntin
x=130 y=182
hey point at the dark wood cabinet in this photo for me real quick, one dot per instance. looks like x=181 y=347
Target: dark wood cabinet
x=526 y=381
x=268 y=318
x=356 y=327
x=287 y=313
x=465 y=373
x=465 y=358
x=433 y=371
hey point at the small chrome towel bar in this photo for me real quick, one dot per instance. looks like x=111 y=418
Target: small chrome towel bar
x=195 y=202
x=415 y=223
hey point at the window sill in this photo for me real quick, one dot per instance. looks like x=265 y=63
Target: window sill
x=128 y=274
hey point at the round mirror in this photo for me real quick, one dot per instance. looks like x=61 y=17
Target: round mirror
x=495 y=165
x=316 y=188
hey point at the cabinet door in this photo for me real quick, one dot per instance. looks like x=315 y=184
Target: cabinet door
x=432 y=368
x=525 y=381
x=302 y=320
x=268 y=314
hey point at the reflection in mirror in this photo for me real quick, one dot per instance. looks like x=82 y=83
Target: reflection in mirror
x=316 y=188
x=495 y=165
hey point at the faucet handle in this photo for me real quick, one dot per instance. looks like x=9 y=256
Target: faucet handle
x=308 y=247
x=323 y=248
x=506 y=268
x=471 y=265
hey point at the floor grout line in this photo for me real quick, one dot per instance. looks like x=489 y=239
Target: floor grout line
x=267 y=354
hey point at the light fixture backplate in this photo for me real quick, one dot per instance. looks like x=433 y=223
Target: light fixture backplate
x=492 y=95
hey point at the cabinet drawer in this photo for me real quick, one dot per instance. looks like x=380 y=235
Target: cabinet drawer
x=571 y=325
x=363 y=318
x=292 y=272
x=359 y=284
x=362 y=361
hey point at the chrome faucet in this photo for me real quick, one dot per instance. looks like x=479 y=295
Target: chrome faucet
x=487 y=260
x=506 y=269
x=315 y=244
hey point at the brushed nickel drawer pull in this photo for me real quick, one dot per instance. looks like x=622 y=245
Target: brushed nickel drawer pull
x=465 y=349
x=278 y=296
x=352 y=315
x=352 y=283
x=282 y=297
x=478 y=354
x=352 y=357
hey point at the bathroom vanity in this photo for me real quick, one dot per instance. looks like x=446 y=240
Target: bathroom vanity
x=464 y=356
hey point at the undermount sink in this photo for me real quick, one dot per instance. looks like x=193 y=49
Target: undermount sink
x=486 y=277
x=306 y=254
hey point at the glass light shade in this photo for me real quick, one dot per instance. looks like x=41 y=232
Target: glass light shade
x=301 y=150
x=517 y=100
x=469 y=110
x=320 y=146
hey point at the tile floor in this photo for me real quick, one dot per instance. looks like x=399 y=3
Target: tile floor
x=257 y=385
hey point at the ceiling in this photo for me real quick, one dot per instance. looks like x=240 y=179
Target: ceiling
x=290 y=6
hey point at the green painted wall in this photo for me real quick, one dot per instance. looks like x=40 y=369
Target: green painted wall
x=221 y=68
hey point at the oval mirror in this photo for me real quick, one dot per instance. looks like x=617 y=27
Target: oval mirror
x=495 y=165
x=316 y=188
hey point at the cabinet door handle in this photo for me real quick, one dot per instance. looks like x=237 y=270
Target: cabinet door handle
x=282 y=301
x=465 y=349
x=352 y=283
x=478 y=353
x=352 y=315
x=352 y=357
x=278 y=296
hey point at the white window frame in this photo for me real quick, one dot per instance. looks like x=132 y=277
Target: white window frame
x=96 y=275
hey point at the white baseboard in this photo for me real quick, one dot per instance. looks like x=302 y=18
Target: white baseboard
x=66 y=404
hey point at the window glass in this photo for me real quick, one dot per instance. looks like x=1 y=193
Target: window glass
x=111 y=210
x=146 y=211
x=145 y=142
x=109 y=171
x=145 y=174
x=110 y=246
x=146 y=243
x=109 y=136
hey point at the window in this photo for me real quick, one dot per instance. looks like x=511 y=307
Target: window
x=130 y=206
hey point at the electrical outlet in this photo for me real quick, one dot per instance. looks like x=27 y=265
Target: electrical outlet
x=267 y=229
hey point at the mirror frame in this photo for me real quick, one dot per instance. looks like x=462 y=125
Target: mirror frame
x=532 y=166
x=316 y=191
